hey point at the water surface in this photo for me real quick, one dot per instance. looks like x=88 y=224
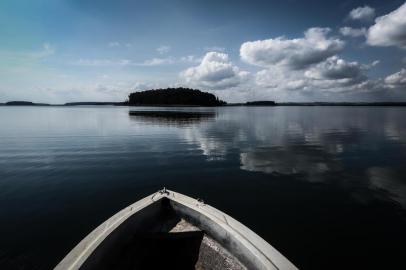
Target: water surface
x=324 y=185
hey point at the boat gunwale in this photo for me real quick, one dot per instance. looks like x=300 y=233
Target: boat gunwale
x=267 y=255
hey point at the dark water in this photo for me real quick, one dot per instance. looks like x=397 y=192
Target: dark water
x=326 y=186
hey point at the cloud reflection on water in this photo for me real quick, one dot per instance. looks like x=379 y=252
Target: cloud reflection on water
x=312 y=161
x=317 y=144
x=390 y=181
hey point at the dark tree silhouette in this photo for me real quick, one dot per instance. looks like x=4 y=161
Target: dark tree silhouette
x=174 y=96
x=24 y=103
x=261 y=103
x=19 y=103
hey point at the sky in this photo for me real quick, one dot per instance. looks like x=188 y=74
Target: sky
x=59 y=51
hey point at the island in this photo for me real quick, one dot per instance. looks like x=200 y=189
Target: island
x=24 y=103
x=255 y=103
x=261 y=103
x=174 y=97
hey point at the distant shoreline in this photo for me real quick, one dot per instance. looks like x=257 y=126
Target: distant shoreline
x=248 y=104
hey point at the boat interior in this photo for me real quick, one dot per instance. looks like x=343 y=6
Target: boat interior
x=161 y=237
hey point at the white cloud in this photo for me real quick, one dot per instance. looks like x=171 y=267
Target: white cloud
x=335 y=68
x=280 y=78
x=365 y=13
x=332 y=75
x=215 y=71
x=163 y=49
x=353 y=32
x=397 y=79
x=309 y=66
x=295 y=54
x=389 y=30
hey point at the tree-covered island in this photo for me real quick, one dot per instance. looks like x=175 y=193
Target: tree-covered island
x=174 y=96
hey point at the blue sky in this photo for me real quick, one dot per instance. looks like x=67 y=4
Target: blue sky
x=76 y=50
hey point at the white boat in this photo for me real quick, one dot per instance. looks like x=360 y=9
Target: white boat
x=173 y=231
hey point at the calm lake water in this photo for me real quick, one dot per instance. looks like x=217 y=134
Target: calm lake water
x=326 y=186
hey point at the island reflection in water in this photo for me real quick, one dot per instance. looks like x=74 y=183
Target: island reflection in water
x=320 y=184
x=171 y=117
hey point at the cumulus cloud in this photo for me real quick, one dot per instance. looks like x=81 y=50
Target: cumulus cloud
x=215 y=71
x=332 y=75
x=310 y=65
x=336 y=68
x=389 y=30
x=353 y=32
x=280 y=78
x=295 y=54
x=397 y=79
x=365 y=13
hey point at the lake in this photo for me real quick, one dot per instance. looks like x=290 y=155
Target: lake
x=326 y=186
